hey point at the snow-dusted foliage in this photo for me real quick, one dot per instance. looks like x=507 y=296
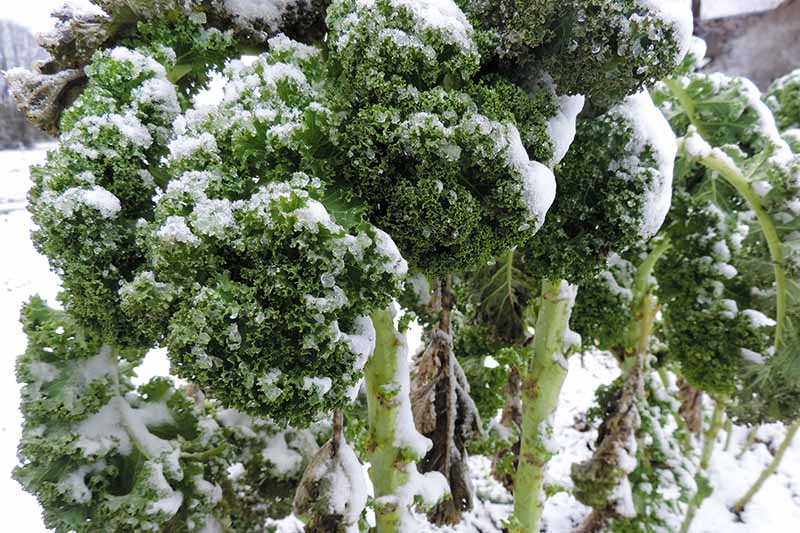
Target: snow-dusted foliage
x=661 y=477
x=783 y=98
x=119 y=458
x=514 y=156
x=621 y=162
x=89 y=195
x=261 y=294
x=454 y=166
x=728 y=283
x=613 y=47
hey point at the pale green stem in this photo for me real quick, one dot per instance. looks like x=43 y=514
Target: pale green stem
x=751 y=438
x=386 y=460
x=642 y=290
x=687 y=104
x=541 y=386
x=709 y=438
x=738 y=181
x=773 y=466
x=729 y=431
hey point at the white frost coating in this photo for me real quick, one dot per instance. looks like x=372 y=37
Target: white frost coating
x=117 y=423
x=320 y=385
x=141 y=63
x=623 y=499
x=211 y=491
x=431 y=488
x=281 y=43
x=751 y=356
x=538 y=181
x=562 y=126
x=725 y=270
x=758 y=319
x=175 y=230
x=128 y=125
x=356 y=495
x=362 y=341
x=97 y=198
x=698 y=49
x=767 y=126
x=650 y=128
x=285 y=461
x=386 y=247
x=159 y=92
x=678 y=14
x=572 y=339
x=74 y=484
x=185 y=146
x=269 y=12
x=406 y=435
x=730 y=308
x=694 y=145
x=490 y=362
x=421 y=287
x=235 y=471
x=213 y=217
x=439 y=15
x=345 y=491
x=615 y=287
x=567 y=292
x=312 y=216
x=169 y=500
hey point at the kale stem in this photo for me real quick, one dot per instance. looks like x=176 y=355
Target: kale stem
x=773 y=466
x=541 y=387
x=387 y=461
x=688 y=105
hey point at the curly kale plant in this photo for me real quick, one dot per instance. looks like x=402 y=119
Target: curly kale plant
x=735 y=266
x=783 y=98
x=620 y=167
x=263 y=294
x=100 y=453
x=603 y=49
x=437 y=155
x=89 y=195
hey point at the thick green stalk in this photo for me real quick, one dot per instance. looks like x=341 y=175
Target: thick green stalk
x=541 y=386
x=383 y=406
x=709 y=438
x=773 y=466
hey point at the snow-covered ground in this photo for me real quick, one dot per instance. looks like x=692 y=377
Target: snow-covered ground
x=776 y=509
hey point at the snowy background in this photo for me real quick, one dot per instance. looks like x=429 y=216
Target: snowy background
x=776 y=509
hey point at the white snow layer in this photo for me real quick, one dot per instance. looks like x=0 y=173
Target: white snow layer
x=538 y=181
x=678 y=14
x=268 y=12
x=439 y=15
x=650 y=128
x=561 y=127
